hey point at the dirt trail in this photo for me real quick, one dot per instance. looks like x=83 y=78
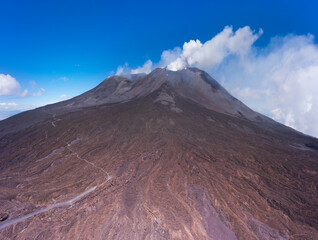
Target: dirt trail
x=62 y=204
x=57 y=205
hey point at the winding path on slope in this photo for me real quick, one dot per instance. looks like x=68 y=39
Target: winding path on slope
x=54 y=120
x=57 y=205
x=61 y=204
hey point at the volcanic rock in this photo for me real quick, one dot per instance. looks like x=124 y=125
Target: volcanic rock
x=168 y=155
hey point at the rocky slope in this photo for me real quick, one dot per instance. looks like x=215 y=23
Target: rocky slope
x=168 y=155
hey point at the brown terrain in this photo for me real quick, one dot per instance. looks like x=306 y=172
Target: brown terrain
x=168 y=155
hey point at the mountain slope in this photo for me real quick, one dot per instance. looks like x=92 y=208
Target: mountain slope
x=162 y=161
x=190 y=83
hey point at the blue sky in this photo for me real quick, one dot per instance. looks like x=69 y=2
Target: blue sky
x=57 y=48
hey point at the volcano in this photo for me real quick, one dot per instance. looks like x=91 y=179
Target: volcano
x=165 y=155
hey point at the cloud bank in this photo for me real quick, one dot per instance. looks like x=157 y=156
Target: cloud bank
x=3 y=104
x=7 y=109
x=279 y=80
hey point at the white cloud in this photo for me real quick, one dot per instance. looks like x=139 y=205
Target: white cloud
x=8 y=106
x=39 y=92
x=119 y=71
x=206 y=55
x=36 y=91
x=248 y=93
x=211 y=53
x=146 y=68
x=169 y=56
x=63 y=96
x=9 y=85
x=122 y=70
x=24 y=93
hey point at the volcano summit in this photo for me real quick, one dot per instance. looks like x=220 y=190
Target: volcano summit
x=168 y=155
